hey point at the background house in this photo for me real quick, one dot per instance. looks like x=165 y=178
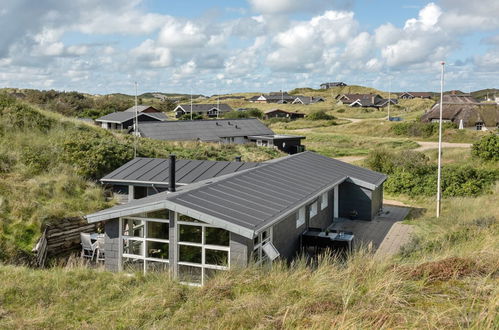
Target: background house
x=364 y=100
x=257 y=214
x=209 y=110
x=220 y=130
x=464 y=111
x=332 y=84
x=143 y=108
x=307 y=100
x=278 y=113
x=415 y=95
x=125 y=120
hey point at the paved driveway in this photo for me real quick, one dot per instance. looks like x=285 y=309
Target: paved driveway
x=385 y=234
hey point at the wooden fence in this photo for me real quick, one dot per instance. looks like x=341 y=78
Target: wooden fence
x=60 y=237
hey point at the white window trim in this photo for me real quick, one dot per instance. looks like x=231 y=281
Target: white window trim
x=144 y=241
x=257 y=248
x=203 y=265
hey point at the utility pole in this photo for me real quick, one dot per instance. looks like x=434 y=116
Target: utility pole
x=136 y=122
x=439 y=173
x=389 y=95
x=191 y=102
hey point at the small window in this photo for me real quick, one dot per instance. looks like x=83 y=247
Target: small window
x=479 y=126
x=313 y=209
x=300 y=217
x=270 y=251
x=324 y=201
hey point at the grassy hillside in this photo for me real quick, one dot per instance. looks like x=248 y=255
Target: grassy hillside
x=447 y=278
x=49 y=165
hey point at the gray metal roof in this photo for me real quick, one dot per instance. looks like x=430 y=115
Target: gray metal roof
x=249 y=201
x=140 y=108
x=222 y=107
x=156 y=171
x=121 y=117
x=204 y=130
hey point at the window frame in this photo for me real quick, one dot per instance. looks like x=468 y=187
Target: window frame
x=144 y=239
x=324 y=200
x=203 y=265
x=313 y=206
x=301 y=215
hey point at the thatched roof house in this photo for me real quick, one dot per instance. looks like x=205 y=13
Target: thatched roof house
x=466 y=112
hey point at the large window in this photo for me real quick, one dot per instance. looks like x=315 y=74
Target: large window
x=145 y=242
x=203 y=250
x=313 y=210
x=324 y=201
x=300 y=217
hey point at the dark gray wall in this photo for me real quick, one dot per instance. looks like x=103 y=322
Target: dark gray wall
x=353 y=197
x=286 y=236
x=240 y=250
x=112 y=245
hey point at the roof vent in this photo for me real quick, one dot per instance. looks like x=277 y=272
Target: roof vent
x=217 y=123
x=237 y=126
x=171 y=181
x=229 y=123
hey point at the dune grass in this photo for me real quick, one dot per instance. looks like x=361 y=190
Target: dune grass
x=446 y=278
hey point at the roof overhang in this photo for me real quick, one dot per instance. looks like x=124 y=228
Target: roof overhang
x=166 y=204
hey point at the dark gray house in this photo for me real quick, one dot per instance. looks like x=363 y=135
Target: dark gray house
x=254 y=215
x=125 y=120
x=307 y=99
x=142 y=177
x=210 y=110
x=332 y=84
x=220 y=130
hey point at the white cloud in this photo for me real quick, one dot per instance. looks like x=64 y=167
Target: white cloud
x=152 y=55
x=181 y=34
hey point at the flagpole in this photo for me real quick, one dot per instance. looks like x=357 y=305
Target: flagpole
x=136 y=121
x=439 y=173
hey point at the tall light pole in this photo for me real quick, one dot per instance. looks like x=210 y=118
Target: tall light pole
x=191 y=102
x=136 y=121
x=389 y=95
x=439 y=173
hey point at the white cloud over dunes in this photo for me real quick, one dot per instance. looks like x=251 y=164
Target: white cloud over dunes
x=87 y=44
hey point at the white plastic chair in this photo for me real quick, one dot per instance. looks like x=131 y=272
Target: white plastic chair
x=100 y=243
x=87 y=248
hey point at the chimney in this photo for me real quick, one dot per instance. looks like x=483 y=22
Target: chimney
x=238 y=158
x=171 y=184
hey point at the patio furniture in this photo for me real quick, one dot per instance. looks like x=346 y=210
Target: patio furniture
x=341 y=242
x=100 y=247
x=87 y=247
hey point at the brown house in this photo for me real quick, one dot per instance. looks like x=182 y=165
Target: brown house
x=465 y=112
x=278 y=113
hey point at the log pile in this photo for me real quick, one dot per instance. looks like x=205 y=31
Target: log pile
x=62 y=236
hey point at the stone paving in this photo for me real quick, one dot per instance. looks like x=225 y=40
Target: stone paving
x=385 y=234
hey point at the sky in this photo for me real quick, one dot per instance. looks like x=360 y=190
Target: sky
x=226 y=46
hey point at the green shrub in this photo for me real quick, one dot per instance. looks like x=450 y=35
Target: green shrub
x=236 y=115
x=340 y=110
x=187 y=116
x=320 y=115
x=419 y=129
x=255 y=113
x=487 y=148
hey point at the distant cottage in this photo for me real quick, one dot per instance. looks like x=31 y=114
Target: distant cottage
x=464 y=111
x=222 y=131
x=332 y=84
x=364 y=100
x=124 y=120
x=415 y=95
x=232 y=218
x=278 y=113
x=209 y=110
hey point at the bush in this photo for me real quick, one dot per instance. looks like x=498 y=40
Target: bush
x=320 y=115
x=410 y=173
x=487 y=148
x=236 y=115
x=187 y=116
x=255 y=113
x=419 y=129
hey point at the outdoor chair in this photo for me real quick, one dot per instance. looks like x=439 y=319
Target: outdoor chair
x=87 y=247
x=100 y=249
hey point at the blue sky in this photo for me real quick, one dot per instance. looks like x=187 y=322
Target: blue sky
x=247 y=45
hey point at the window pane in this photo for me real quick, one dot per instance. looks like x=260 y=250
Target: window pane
x=190 y=234
x=157 y=230
x=133 y=247
x=209 y=273
x=189 y=254
x=189 y=274
x=161 y=214
x=157 y=250
x=215 y=257
x=154 y=266
x=133 y=265
x=133 y=228
x=216 y=236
